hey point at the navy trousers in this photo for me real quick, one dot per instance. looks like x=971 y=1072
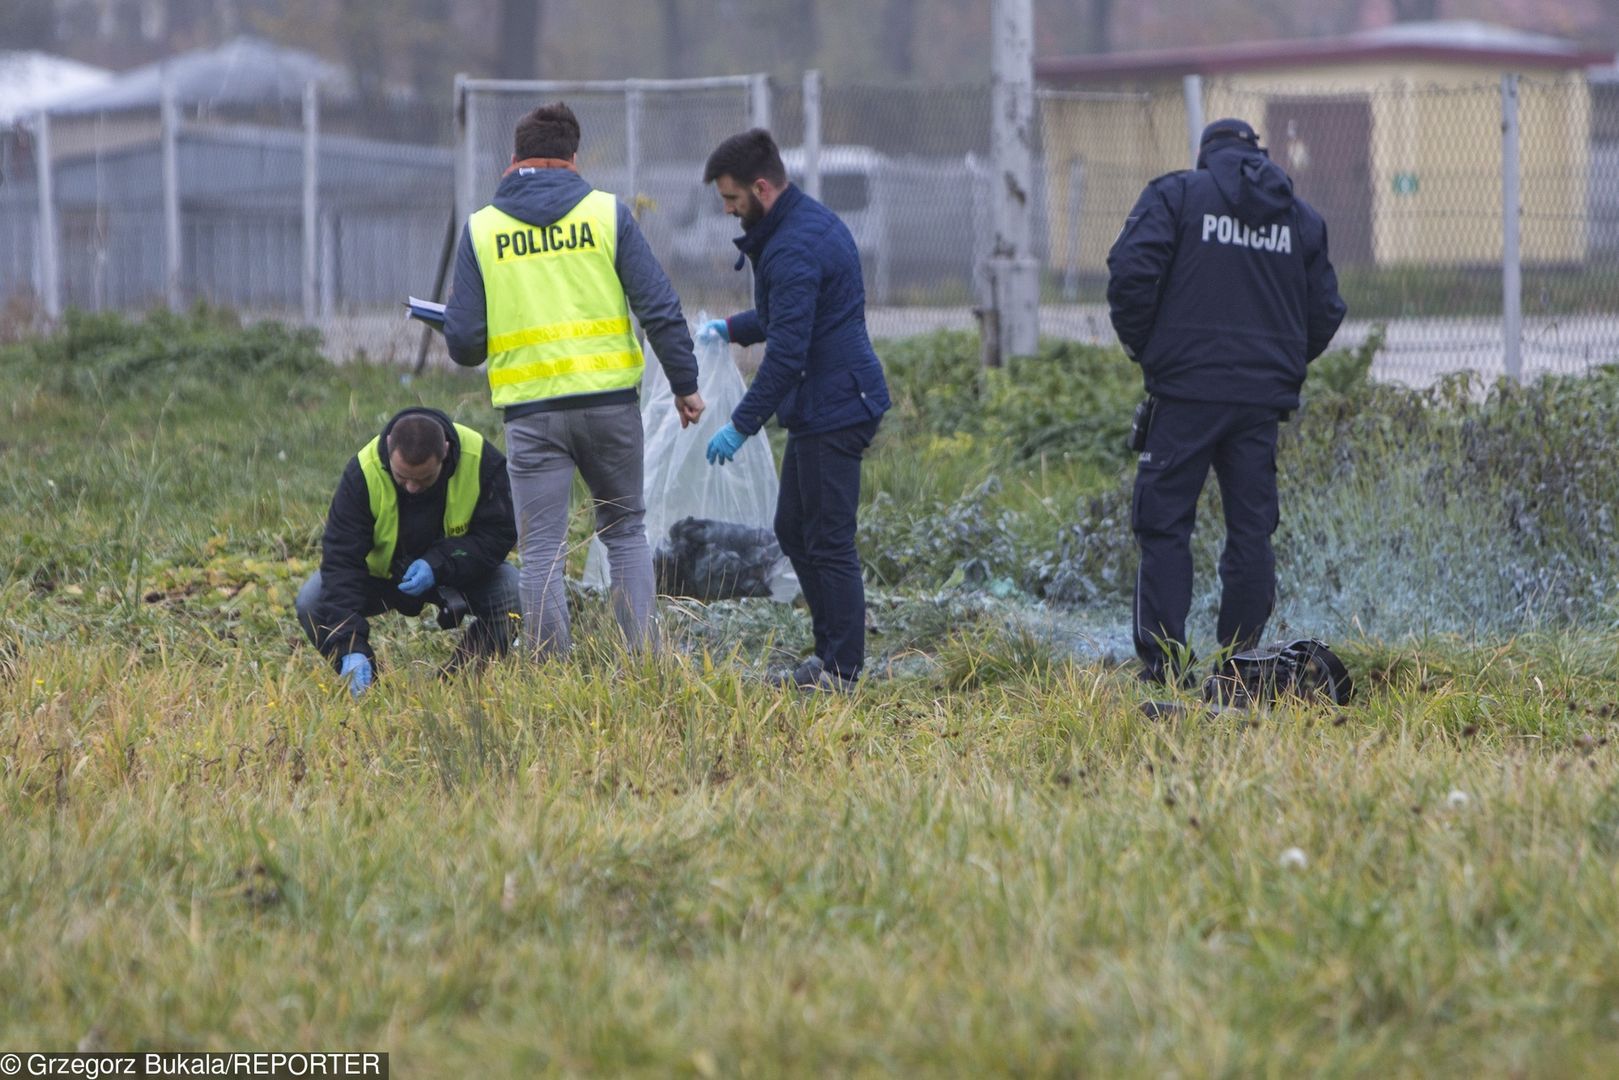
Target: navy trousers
x=815 y=525
x=1187 y=437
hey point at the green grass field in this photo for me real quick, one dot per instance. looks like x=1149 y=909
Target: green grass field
x=984 y=862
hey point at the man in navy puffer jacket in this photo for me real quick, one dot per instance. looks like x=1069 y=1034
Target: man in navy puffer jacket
x=1221 y=289
x=820 y=377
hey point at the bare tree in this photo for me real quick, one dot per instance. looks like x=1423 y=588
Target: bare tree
x=897 y=37
x=518 y=56
x=28 y=24
x=359 y=25
x=431 y=64
x=1067 y=27
x=808 y=31
x=1101 y=26
x=676 y=48
x=1415 y=10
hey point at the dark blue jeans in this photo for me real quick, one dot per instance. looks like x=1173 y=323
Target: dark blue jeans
x=1186 y=438
x=816 y=514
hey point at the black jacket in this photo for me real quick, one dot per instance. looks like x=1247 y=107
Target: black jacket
x=1219 y=284
x=347 y=587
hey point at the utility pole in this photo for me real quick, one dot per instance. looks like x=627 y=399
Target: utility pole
x=311 y=222
x=1012 y=326
x=1192 y=91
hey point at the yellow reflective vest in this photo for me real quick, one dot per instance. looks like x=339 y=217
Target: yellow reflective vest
x=559 y=323
x=459 y=501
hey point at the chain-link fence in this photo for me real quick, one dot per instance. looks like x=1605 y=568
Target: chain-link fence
x=1096 y=151
x=1412 y=181
x=276 y=211
x=333 y=212
x=645 y=140
x=21 y=269
x=908 y=167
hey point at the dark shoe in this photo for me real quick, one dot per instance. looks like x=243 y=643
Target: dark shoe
x=462 y=661
x=806 y=674
x=479 y=644
x=1225 y=690
x=1157 y=676
x=827 y=683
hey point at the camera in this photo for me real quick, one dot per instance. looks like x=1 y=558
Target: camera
x=452 y=607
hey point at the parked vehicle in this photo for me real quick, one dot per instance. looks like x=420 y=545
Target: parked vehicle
x=852 y=185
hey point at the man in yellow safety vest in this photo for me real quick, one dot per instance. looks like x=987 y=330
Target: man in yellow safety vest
x=545 y=280
x=422 y=514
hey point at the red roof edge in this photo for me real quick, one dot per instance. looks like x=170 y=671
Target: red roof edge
x=1228 y=59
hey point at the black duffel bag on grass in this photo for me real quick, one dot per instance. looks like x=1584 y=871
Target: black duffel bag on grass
x=1304 y=668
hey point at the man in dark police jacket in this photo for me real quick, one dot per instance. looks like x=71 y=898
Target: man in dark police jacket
x=1221 y=289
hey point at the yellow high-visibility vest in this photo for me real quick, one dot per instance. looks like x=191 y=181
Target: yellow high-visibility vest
x=459 y=501
x=559 y=323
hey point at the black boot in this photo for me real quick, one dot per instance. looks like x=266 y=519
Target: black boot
x=480 y=643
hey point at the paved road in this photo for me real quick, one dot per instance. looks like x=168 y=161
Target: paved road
x=1416 y=351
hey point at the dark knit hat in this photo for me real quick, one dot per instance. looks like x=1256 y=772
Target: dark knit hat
x=1229 y=128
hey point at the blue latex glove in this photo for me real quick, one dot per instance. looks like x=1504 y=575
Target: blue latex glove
x=418 y=578
x=724 y=445
x=714 y=328
x=356 y=668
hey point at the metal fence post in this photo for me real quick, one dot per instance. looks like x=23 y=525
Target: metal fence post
x=311 y=195
x=759 y=100
x=812 y=133
x=634 y=104
x=1014 y=277
x=328 y=266
x=466 y=125
x=49 y=269
x=170 y=119
x=1076 y=205
x=1192 y=89
x=1511 y=223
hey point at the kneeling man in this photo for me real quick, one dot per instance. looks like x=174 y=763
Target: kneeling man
x=422 y=514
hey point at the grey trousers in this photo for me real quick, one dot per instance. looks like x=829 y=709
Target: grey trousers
x=542 y=451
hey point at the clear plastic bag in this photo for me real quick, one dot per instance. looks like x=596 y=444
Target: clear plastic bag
x=680 y=484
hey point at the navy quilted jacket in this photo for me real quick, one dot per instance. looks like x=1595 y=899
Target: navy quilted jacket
x=819 y=371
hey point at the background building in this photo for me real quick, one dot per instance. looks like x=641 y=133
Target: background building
x=1379 y=130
